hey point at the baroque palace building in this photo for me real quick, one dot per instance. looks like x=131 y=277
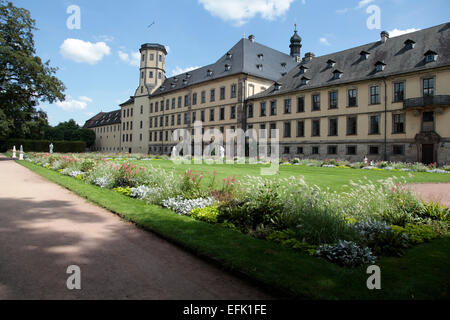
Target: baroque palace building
x=385 y=100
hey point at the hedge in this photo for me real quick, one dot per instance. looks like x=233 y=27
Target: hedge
x=43 y=146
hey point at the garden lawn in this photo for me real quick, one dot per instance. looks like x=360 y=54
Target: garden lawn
x=421 y=274
x=334 y=178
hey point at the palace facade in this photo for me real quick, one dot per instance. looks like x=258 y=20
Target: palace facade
x=385 y=100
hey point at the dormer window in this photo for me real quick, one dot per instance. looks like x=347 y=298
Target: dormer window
x=172 y=85
x=283 y=64
x=305 y=81
x=227 y=67
x=259 y=67
x=337 y=74
x=364 y=55
x=209 y=73
x=260 y=56
x=430 y=56
x=188 y=75
x=185 y=82
x=379 y=66
x=229 y=55
x=331 y=63
x=277 y=86
x=175 y=79
x=409 y=44
x=303 y=69
x=283 y=74
x=162 y=88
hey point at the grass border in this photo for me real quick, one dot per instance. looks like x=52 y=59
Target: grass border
x=268 y=265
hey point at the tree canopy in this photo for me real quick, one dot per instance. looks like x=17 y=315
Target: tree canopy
x=24 y=79
x=70 y=131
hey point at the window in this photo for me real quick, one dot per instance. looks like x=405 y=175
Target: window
x=142 y=89
x=398 y=123
x=233 y=91
x=150 y=123
x=162 y=105
x=300 y=129
x=398 y=150
x=141 y=125
x=160 y=58
x=161 y=121
x=152 y=57
x=179 y=119
x=333 y=98
x=374 y=125
x=263 y=111
x=273 y=108
x=333 y=127
x=250 y=111
x=167 y=104
x=315 y=150
x=143 y=57
x=374 y=150
x=315 y=128
x=142 y=75
x=375 y=95
x=428 y=87
x=186 y=118
x=186 y=100
x=351 y=150
x=222 y=93
x=194 y=98
x=142 y=109
x=194 y=116
x=180 y=101
x=156 y=106
x=159 y=75
x=299 y=150
x=399 y=91
x=287 y=150
x=173 y=103
x=316 y=102
x=352 y=97
x=352 y=126
x=213 y=95
x=172 y=120
x=287 y=129
x=150 y=74
x=287 y=106
x=202 y=116
x=233 y=112
x=211 y=115
x=156 y=122
x=222 y=114
x=203 y=97
x=262 y=131
x=300 y=104
x=428 y=117
x=273 y=128
x=332 y=150
x=430 y=56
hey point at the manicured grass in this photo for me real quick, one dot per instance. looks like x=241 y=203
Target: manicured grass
x=334 y=178
x=421 y=274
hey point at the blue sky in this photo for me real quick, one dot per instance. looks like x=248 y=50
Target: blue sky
x=97 y=62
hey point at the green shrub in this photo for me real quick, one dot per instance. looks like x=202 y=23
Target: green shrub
x=287 y=239
x=435 y=211
x=417 y=234
x=43 y=145
x=124 y=191
x=208 y=214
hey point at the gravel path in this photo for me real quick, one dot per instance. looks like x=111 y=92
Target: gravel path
x=45 y=228
x=434 y=192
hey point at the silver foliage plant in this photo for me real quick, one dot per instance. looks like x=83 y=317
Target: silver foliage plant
x=346 y=254
x=185 y=206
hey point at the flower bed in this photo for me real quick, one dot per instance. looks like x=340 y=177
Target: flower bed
x=350 y=229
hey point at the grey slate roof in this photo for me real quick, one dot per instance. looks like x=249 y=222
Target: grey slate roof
x=394 y=54
x=244 y=59
x=104 y=119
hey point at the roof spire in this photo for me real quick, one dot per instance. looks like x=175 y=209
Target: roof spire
x=295 y=29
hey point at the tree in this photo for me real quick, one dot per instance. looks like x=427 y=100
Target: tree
x=24 y=79
x=70 y=131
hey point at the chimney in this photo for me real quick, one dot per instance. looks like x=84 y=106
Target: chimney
x=384 y=36
x=309 y=56
x=251 y=38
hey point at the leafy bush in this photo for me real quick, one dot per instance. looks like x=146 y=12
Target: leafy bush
x=435 y=211
x=417 y=234
x=287 y=239
x=185 y=206
x=104 y=182
x=208 y=214
x=43 y=145
x=370 y=228
x=124 y=191
x=140 y=192
x=346 y=254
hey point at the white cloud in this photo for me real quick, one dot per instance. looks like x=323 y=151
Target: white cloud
x=84 y=51
x=324 y=41
x=133 y=59
x=397 y=32
x=364 y=3
x=74 y=104
x=240 y=11
x=168 y=49
x=104 y=38
x=179 y=70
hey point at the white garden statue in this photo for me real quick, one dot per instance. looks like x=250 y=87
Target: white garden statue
x=14 y=152
x=21 y=153
x=221 y=152
x=51 y=147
